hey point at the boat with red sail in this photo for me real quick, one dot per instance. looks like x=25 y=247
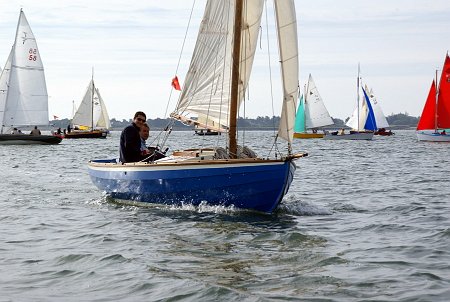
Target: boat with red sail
x=434 y=123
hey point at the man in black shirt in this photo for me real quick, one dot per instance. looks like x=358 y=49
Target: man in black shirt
x=130 y=140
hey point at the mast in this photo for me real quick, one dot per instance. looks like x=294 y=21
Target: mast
x=73 y=113
x=235 y=78
x=357 y=93
x=437 y=100
x=92 y=100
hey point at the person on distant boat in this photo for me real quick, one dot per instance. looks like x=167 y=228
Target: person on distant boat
x=35 y=131
x=15 y=131
x=443 y=132
x=342 y=131
x=130 y=139
x=69 y=128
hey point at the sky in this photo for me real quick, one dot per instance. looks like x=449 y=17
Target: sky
x=134 y=48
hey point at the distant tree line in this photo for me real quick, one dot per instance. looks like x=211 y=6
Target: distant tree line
x=400 y=120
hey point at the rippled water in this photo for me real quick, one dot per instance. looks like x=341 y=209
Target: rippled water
x=363 y=221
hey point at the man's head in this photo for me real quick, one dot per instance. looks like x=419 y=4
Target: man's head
x=139 y=118
x=144 y=131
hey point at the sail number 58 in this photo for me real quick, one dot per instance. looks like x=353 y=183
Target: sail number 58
x=32 y=54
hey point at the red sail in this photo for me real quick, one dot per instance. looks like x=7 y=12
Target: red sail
x=427 y=118
x=443 y=105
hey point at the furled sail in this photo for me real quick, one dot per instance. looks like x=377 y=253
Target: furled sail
x=288 y=48
x=207 y=85
x=24 y=105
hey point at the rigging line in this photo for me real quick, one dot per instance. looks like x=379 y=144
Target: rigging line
x=270 y=68
x=181 y=53
x=169 y=126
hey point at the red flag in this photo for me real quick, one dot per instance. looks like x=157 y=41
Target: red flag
x=175 y=83
x=55 y=117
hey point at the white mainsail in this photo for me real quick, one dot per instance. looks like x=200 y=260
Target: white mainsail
x=92 y=111
x=288 y=48
x=207 y=87
x=316 y=114
x=23 y=95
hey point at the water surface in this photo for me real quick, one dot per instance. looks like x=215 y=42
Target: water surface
x=363 y=221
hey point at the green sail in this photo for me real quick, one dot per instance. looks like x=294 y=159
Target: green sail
x=300 y=117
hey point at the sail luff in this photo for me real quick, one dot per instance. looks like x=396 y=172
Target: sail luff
x=288 y=49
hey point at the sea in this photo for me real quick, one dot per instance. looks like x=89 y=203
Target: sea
x=363 y=221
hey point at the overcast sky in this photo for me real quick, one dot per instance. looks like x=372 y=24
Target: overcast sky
x=134 y=47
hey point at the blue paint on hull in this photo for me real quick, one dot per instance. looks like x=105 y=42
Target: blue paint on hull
x=253 y=186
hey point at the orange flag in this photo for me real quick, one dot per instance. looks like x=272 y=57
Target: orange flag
x=175 y=83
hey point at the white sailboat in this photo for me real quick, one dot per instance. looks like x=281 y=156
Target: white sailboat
x=215 y=87
x=362 y=122
x=23 y=91
x=311 y=113
x=91 y=119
